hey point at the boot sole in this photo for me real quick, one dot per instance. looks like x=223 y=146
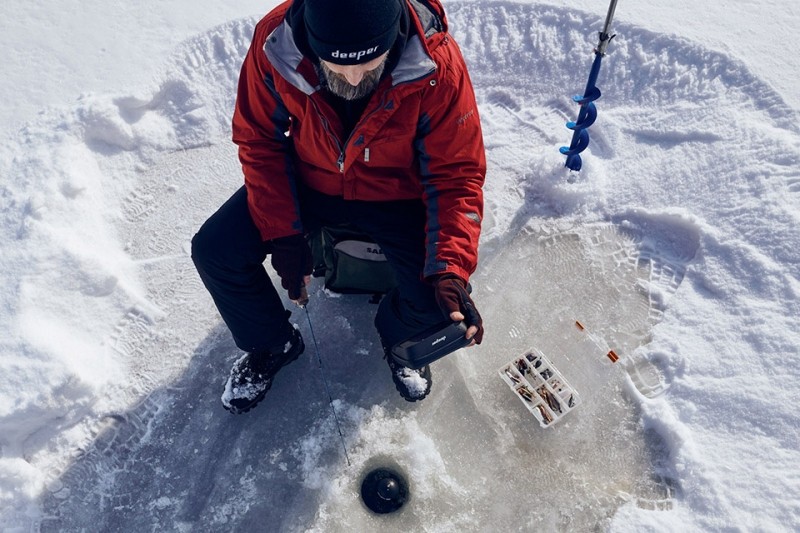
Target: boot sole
x=411 y=400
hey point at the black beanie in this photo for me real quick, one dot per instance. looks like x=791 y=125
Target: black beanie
x=349 y=32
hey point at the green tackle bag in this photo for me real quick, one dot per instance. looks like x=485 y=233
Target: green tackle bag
x=350 y=261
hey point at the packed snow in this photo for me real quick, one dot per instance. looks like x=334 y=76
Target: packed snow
x=677 y=246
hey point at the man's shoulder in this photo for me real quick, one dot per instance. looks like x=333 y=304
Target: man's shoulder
x=433 y=29
x=450 y=63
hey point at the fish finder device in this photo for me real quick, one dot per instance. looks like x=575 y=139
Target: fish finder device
x=430 y=345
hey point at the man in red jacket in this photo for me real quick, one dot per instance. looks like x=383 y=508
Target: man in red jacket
x=359 y=112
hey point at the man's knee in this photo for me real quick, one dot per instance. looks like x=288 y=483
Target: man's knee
x=229 y=236
x=203 y=247
x=397 y=320
x=215 y=247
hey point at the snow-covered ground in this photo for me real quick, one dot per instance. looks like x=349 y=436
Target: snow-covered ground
x=677 y=246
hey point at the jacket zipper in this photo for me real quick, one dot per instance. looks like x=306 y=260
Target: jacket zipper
x=327 y=127
x=339 y=145
x=363 y=119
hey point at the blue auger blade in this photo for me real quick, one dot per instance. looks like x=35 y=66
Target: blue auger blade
x=580 y=140
x=586 y=117
x=592 y=94
x=574 y=162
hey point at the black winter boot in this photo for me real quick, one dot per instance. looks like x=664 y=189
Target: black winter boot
x=252 y=374
x=413 y=385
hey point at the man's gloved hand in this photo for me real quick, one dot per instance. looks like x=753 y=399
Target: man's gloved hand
x=291 y=259
x=454 y=299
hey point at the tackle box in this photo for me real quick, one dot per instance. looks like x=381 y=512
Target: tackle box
x=540 y=387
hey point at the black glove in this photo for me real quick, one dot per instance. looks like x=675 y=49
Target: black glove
x=291 y=259
x=452 y=296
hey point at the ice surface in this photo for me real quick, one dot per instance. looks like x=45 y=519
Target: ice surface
x=287 y=452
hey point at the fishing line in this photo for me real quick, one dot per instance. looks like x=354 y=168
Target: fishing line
x=325 y=381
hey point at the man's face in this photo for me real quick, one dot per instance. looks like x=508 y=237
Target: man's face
x=353 y=81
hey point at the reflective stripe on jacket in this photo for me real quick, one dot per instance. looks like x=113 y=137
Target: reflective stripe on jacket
x=419 y=137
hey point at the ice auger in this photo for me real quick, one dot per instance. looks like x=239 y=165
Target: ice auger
x=588 y=111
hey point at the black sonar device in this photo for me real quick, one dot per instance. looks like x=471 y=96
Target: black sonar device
x=432 y=344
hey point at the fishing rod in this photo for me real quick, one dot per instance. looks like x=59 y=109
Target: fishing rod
x=588 y=112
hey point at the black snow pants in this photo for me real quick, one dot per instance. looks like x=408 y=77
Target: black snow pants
x=229 y=255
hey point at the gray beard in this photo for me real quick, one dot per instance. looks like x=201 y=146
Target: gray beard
x=339 y=86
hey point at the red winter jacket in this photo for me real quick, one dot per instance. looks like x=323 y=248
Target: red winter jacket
x=419 y=137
